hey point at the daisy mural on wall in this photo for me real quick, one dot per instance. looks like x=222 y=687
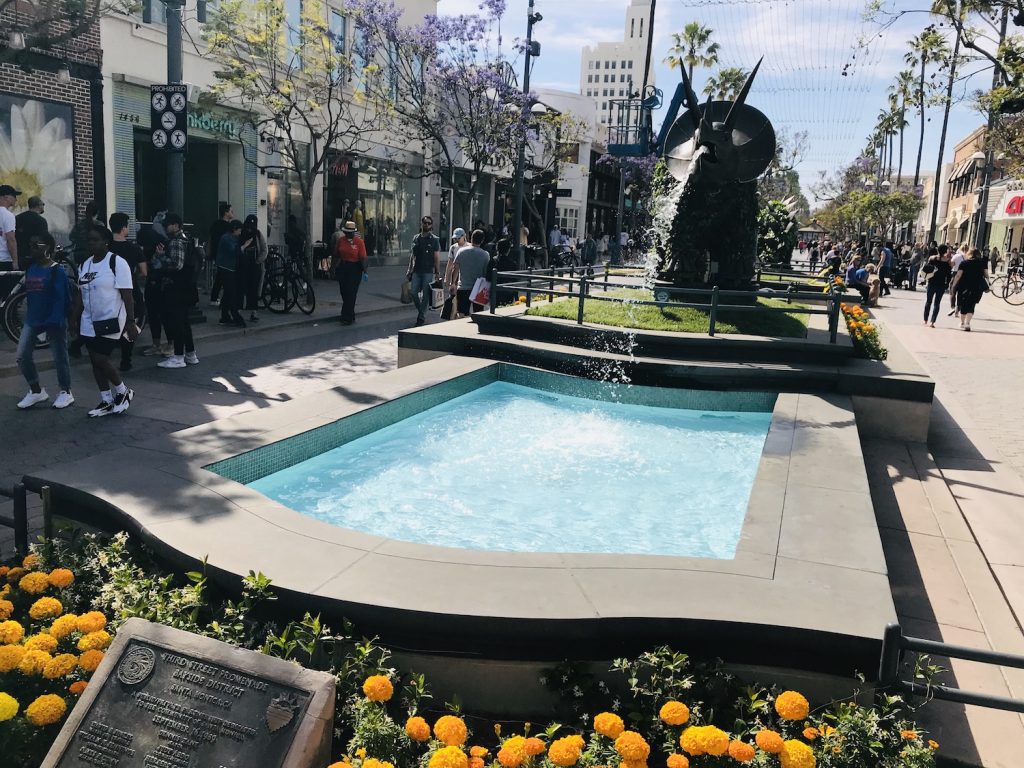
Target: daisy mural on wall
x=36 y=157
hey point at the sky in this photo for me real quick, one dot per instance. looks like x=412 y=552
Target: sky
x=806 y=44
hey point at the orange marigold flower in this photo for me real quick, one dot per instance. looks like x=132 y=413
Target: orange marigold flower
x=14 y=575
x=34 y=662
x=792 y=706
x=478 y=751
x=94 y=641
x=811 y=733
x=633 y=764
x=632 y=746
x=93 y=621
x=534 y=746
x=34 y=583
x=609 y=724
x=933 y=745
x=63 y=626
x=10 y=657
x=41 y=643
x=417 y=729
x=61 y=578
x=89 y=660
x=796 y=754
x=769 y=741
x=741 y=752
x=908 y=735
x=31 y=561
x=378 y=688
x=674 y=713
x=512 y=753
x=60 y=666
x=372 y=762
x=704 y=740
x=11 y=632
x=678 y=761
x=340 y=764
x=46 y=710
x=451 y=730
x=6 y=609
x=476 y=762
x=448 y=757
x=78 y=687
x=566 y=751
x=46 y=608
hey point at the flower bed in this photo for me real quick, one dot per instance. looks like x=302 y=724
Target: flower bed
x=59 y=607
x=863 y=332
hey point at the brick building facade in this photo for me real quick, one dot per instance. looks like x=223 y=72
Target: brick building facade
x=51 y=131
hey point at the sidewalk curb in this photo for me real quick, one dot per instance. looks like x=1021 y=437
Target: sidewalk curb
x=45 y=363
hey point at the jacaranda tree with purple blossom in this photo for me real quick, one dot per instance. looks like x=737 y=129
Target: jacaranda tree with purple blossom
x=448 y=91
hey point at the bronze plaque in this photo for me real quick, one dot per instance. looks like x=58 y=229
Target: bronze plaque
x=162 y=708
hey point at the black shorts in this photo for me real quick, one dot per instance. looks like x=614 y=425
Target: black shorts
x=462 y=296
x=101 y=345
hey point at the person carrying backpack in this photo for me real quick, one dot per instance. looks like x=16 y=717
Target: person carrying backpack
x=50 y=299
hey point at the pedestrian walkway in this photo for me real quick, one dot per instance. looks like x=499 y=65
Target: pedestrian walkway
x=950 y=514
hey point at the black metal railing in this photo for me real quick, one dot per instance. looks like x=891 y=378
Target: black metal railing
x=564 y=282
x=18 y=520
x=895 y=644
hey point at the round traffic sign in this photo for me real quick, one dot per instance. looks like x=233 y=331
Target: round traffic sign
x=159 y=139
x=159 y=102
x=168 y=120
x=177 y=101
x=178 y=139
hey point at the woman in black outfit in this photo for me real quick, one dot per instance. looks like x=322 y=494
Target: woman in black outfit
x=941 y=272
x=969 y=283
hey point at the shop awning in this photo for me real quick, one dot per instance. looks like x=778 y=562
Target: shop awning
x=962 y=170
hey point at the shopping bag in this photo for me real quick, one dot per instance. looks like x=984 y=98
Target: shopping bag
x=437 y=296
x=449 y=310
x=481 y=293
x=406 y=297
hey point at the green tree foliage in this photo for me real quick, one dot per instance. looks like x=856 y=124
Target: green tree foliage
x=776 y=234
x=726 y=84
x=694 y=47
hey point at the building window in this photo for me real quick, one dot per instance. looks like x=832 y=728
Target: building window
x=621 y=93
x=641 y=27
x=613 y=64
x=604 y=106
x=607 y=64
x=632 y=26
x=623 y=64
x=630 y=63
x=293 y=16
x=568 y=221
x=339 y=30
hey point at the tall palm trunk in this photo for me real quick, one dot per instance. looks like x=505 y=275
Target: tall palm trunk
x=899 y=170
x=889 y=174
x=942 y=139
x=920 y=143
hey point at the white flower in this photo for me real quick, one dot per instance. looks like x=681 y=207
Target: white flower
x=543 y=680
x=576 y=691
x=37 y=157
x=615 y=705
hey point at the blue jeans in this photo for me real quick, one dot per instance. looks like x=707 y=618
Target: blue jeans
x=58 y=346
x=935 y=291
x=421 y=292
x=915 y=269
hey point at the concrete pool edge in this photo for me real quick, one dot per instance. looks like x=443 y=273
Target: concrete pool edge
x=809 y=566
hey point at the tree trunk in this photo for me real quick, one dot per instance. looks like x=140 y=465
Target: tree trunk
x=942 y=140
x=889 y=174
x=899 y=170
x=920 y=143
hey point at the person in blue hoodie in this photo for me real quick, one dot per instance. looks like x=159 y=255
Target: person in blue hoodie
x=49 y=299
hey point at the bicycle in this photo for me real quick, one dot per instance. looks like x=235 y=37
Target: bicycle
x=1011 y=288
x=564 y=257
x=15 y=302
x=287 y=285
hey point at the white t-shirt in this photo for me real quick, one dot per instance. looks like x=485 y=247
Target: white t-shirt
x=7 y=224
x=101 y=298
x=955 y=263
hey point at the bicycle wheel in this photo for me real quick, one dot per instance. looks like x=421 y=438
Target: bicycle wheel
x=303 y=296
x=997 y=285
x=276 y=294
x=1014 y=293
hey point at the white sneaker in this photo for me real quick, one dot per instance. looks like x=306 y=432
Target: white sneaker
x=103 y=409
x=174 y=361
x=122 y=400
x=64 y=399
x=191 y=358
x=32 y=398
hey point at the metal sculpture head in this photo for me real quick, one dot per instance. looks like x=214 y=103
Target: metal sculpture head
x=720 y=141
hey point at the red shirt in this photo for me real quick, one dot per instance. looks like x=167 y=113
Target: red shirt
x=353 y=250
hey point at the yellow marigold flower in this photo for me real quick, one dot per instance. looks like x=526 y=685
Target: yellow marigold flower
x=769 y=741
x=14 y=575
x=63 y=626
x=796 y=754
x=3 y=571
x=378 y=688
x=741 y=752
x=60 y=666
x=89 y=660
x=5 y=590
x=933 y=745
x=448 y=757
x=908 y=735
x=417 y=729
x=34 y=583
x=46 y=710
x=93 y=621
x=811 y=733
x=674 y=713
x=94 y=641
x=372 y=762
x=476 y=762
x=792 y=706
x=678 y=761
x=11 y=632
x=361 y=752
x=8 y=706
x=340 y=764
x=704 y=740
x=6 y=609
x=31 y=561
x=10 y=657
x=631 y=746
x=609 y=724
x=451 y=730
x=41 y=643
x=33 y=662
x=478 y=751
x=46 y=608
x=61 y=578
x=512 y=753
x=827 y=730
x=577 y=740
x=77 y=688
x=565 y=752
x=534 y=747
x=633 y=764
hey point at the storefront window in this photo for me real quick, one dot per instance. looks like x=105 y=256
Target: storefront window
x=568 y=221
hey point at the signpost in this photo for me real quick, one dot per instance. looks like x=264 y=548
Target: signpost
x=168 y=111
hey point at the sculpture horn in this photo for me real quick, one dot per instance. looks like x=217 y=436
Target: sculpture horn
x=691 y=98
x=742 y=95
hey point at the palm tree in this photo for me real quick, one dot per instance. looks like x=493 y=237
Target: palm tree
x=727 y=84
x=927 y=48
x=693 y=46
x=900 y=93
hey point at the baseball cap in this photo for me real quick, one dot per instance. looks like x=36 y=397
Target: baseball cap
x=7 y=189
x=458 y=232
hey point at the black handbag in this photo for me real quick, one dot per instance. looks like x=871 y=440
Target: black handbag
x=107 y=327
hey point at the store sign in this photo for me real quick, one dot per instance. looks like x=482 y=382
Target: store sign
x=211 y=123
x=1015 y=206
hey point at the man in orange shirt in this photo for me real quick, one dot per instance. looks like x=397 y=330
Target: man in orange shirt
x=350 y=265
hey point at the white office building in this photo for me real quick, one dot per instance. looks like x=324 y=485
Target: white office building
x=609 y=70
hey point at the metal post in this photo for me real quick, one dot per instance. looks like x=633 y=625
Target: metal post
x=47 y=512
x=892 y=650
x=583 y=295
x=616 y=249
x=986 y=178
x=517 y=210
x=20 y=519
x=833 y=318
x=175 y=160
x=714 y=310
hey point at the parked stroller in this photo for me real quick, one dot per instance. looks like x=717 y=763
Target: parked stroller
x=901 y=274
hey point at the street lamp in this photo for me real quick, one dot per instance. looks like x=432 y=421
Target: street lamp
x=984 y=160
x=532 y=51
